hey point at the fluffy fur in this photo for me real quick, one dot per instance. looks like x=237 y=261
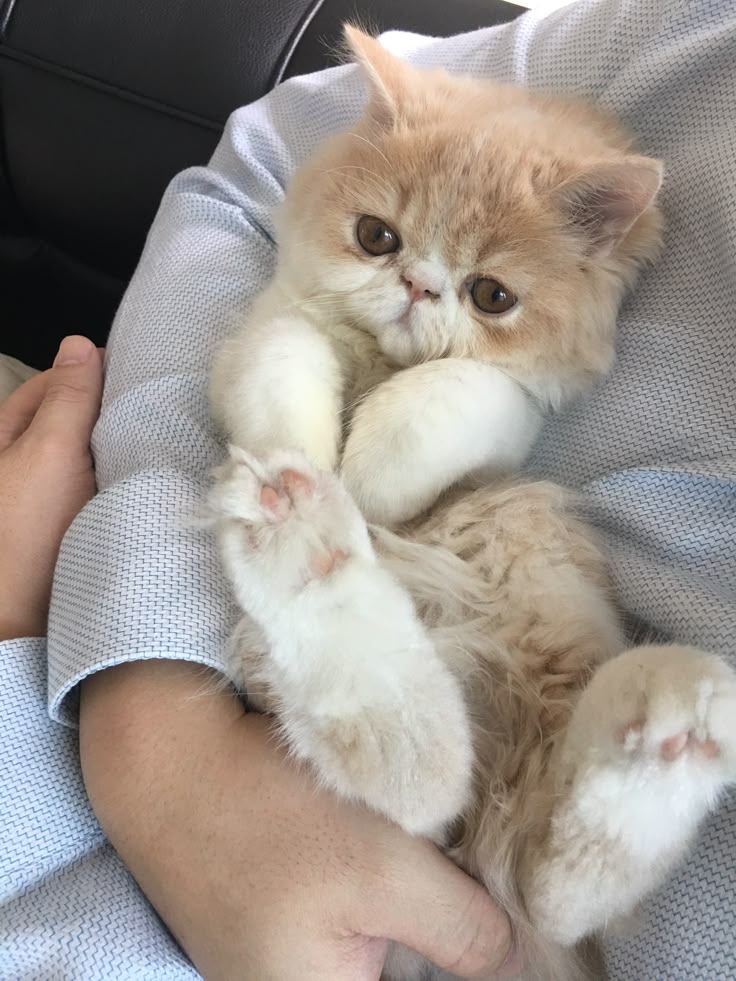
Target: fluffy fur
x=464 y=673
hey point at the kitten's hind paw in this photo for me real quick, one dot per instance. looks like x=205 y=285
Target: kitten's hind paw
x=633 y=735
x=358 y=687
x=648 y=751
x=257 y=492
x=681 y=707
x=408 y=756
x=661 y=722
x=282 y=523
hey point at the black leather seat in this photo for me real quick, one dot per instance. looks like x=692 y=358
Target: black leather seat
x=102 y=103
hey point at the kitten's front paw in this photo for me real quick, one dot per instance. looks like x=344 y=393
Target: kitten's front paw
x=282 y=523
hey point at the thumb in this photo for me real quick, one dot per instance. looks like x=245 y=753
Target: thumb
x=447 y=917
x=71 y=403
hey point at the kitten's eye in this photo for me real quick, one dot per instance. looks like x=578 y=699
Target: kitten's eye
x=490 y=296
x=376 y=237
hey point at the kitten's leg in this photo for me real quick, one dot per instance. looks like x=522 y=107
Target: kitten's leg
x=428 y=427
x=648 y=751
x=247 y=652
x=277 y=382
x=360 y=691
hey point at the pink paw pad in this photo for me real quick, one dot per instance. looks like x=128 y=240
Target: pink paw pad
x=671 y=748
x=296 y=484
x=274 y=503
x=292 y=487
x=324 y=564
x=630 y=737
x=270 y=498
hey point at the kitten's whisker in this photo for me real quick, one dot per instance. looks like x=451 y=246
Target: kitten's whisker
x=320 y=298
x=355 y=322
x=334 y=294
x=325 y=299
x=523 y=241
x=373 y=183
x=357 y=136
x=358 y=400
x=365 y=170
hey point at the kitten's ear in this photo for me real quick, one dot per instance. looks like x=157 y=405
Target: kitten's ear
x=389 y=78
x=606 y=201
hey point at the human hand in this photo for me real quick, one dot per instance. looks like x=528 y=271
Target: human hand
x=258 y=874
x=46 y=477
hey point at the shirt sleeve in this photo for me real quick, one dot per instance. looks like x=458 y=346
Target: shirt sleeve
x=44 y=813
x=68 y=906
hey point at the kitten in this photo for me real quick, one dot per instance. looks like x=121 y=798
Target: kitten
x=448 y=270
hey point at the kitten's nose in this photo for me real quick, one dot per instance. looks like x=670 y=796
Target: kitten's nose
x=422 y=283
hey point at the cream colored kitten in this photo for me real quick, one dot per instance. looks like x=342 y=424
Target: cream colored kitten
x=448 y=270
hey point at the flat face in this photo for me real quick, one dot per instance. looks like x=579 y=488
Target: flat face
x=464 y=218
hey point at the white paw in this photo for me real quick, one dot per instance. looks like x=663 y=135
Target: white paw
x=649 y=749
x=659 y=724
x=282 y=524
x=409 y=757
x=358 y=689
x=674 y=703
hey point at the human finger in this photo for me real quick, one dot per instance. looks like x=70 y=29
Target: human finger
x=71 y=402
x=19 y=408
x=436 y=909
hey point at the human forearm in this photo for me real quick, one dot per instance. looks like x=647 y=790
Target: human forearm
x=256 y=872
x=142 y=726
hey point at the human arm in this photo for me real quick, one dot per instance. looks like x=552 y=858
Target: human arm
x=46 y=477
x=257 y=873
x=67 y=904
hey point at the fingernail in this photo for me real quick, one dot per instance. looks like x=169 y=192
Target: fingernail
x=73 y=350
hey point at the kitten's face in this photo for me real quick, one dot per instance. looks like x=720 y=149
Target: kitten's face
x=438 y=226
x=435 y=252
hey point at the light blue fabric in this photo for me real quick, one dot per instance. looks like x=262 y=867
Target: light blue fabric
x=653 y=451
x=69 y=909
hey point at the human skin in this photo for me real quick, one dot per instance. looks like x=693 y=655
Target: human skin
x=257 y=873
x=46 y=477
